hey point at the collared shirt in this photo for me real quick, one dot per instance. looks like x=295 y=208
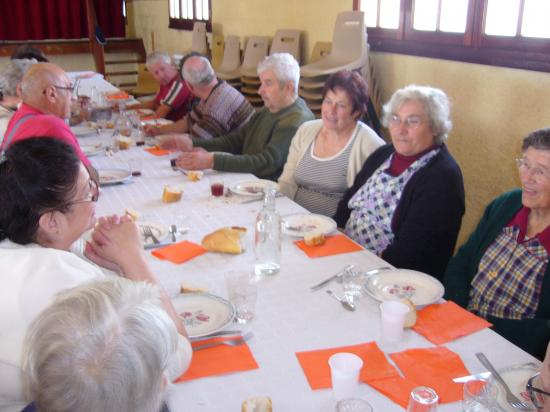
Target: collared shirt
x=177 y=96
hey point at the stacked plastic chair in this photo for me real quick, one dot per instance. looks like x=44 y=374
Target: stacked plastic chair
x=349 y=51
x=229 y=69
x=256 y=50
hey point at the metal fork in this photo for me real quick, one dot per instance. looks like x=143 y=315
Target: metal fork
x=512 y=399
x=233 y=342
x=147 y=232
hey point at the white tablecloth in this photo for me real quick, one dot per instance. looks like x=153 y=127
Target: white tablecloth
x=289 y=317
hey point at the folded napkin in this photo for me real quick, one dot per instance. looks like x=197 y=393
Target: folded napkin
x=120 y=95
x=442 y=323
x=179 y=252
x=155 y=151
x=219 y=360
x=334 y=245
x=317 y=371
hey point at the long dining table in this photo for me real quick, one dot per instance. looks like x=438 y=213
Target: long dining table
x=289 y=317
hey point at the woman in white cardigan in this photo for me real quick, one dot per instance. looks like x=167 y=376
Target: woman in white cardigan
x=326 y=154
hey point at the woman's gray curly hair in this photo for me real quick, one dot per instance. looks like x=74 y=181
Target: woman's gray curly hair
x=436 y=105
x=11 y=75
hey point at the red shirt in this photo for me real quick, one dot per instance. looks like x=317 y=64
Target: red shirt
x=521 y=219
x=42 y=125
x=399 y=163
x=177 y=96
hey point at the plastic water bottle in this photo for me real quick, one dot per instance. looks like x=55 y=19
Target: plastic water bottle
x=268 y=237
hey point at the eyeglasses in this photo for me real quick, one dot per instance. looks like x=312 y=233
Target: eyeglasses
x=411 y=122
x=536 y=171
x=70 y=88
x=92 y=196
x=537 y=395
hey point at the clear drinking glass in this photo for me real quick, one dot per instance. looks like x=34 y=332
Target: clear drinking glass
x=423 y=399
x=479 y=396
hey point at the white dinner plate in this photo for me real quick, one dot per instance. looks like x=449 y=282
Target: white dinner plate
x=159 y=231
x=156 y=122
x=203 y=313
x=299 y=224
x=92 y=149
x=516 y=378
x=252 y=187
x=83 y=131
x=420 y=288
x=113 y=176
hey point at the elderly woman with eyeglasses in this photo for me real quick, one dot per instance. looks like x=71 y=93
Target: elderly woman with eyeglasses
x=501 y=273
x=407 y=202
x=47 y=203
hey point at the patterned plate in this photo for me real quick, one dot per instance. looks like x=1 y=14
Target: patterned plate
x=298 y=224
x=252 y=187
x=203 y=313
x=159 y=231
x=516 y=378
x=420 y=288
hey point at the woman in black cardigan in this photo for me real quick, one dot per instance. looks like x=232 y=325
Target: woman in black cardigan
x=407 y=202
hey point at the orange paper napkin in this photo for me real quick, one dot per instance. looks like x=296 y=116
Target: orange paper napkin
x=155 y=151
x=120 y=95
x=334 y=245
x=219 y=360
x=433 y=367
x=315 y=364
x=179 y=252
x=442 y=323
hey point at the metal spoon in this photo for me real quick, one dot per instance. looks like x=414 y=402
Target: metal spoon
x=173 y=230
x=344 y=302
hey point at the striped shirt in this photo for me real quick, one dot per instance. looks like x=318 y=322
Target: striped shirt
x=224 y=110
x=322 y=181
x=177 y=96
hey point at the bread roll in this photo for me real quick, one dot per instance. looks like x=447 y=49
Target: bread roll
x=132 y=213
x=194 y=175
x=171 y=194
x=314 y=238
x=410 y=319
x=225 y=240
x=257 y=404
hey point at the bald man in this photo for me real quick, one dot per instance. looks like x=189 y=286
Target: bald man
x=46 y=92
x=221 y=108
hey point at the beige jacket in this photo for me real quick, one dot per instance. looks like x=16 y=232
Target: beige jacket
x=366 y=142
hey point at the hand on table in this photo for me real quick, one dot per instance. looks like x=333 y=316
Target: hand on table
x=151 y=130
x=198 y=159
x=181 y=142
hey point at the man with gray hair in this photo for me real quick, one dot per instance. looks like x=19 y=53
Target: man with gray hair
x=261 y=146
x=104 y=346
x=221 y=108
x=173 y=97
x=10 y=96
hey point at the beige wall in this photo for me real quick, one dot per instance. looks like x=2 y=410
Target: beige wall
x=493 y=108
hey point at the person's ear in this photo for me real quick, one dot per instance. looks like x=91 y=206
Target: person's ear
x=50 y=93
x=48 y=224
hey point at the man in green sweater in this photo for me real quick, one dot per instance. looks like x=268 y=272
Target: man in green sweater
x=261 y=146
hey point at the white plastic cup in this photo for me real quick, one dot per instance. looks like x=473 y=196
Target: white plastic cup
x=344 y=373
x=393 y=314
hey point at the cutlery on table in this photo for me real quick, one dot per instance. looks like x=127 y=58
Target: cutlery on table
x=330 y=279
x=173 y=230
x=147 y=232
x=216 y=334
x=344 y=302
x=233 y=342
x=474 y=377
x=512 y=399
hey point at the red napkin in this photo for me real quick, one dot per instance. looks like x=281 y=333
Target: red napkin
x=442 y=323
x=179 y=252
x=219 y=360
x=334 y=245
x=315 y=364
x=155 y=151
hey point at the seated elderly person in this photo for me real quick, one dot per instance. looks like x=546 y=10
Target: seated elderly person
x=10 y=97
x=173 y=98
x=407 y=202
x=261 y=146
x=122 y=362
x=221 y=108
x=501 y=273
x=325 y=155
x=46 y=91
x=47 y=203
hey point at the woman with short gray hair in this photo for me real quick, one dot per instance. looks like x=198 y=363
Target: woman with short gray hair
x=120 y=365
x=10 y=77
x=407 y=202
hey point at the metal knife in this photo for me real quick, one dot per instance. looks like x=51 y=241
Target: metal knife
x=330 y=279
x=216 y=334
x=474 y=377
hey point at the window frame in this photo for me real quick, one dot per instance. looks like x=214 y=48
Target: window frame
x=187 y=24
x=473 y=46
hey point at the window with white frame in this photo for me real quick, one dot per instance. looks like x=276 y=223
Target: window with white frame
x=184 y=13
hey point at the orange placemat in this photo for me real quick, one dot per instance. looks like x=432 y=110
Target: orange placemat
x=219 y=360
x=179 y=252
x=315 y=364
x=120 y=95
x=334 y=245
x=442 y=323
x=433 y=367
x=396 y=388
x=155 y=151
